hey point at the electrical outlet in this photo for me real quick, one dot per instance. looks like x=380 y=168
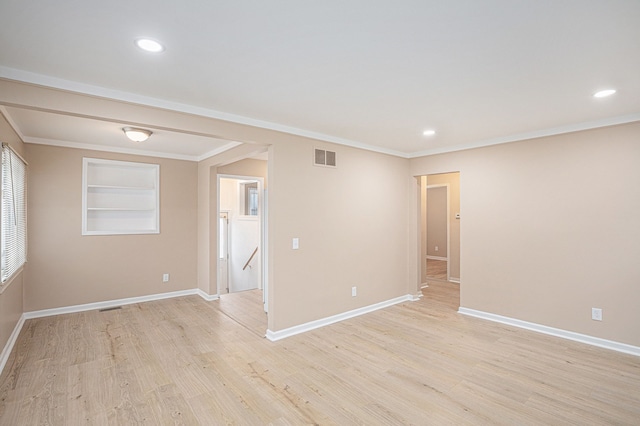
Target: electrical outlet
x=354 y=291
x=165 y=278
x=437 y=248
x=596 y=314
x=295 y=244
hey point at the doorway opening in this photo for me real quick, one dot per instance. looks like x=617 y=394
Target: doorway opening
x=241 y=251
x=240 y=234
x=440 y=230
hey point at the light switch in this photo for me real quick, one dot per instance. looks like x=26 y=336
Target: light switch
x=295 y=244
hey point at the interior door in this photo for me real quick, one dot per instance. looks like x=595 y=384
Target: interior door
x=223 y=253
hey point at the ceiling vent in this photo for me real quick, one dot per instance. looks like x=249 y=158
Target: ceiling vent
x=324 y=158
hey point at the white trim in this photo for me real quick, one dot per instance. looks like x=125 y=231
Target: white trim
x=569 y=128
x=152 y=168
x=424 y=285
x=312 y=325
x=260 y=218
x=454 y=280
x=105 y=148
x=207 y=297
x=570 y=335
x=109 y=304
x=217 y=151
x=436 y=258
x=119 y=95
x=11 y=122
x=4 y=356
x=415 y=297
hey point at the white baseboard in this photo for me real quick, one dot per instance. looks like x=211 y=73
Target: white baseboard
x=312 y=325
x=454 y=280
x=207 y=297
x=570 y=335
x=415 y=297
x=109 y=304
x=4 y=356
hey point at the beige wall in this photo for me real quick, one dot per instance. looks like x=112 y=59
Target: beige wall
x=208 y=212
x=437 y=221
x=11 y=306
x=453 y=180
x=351 y=222
x=535 y=244
x=67 y=268
x=246 y=167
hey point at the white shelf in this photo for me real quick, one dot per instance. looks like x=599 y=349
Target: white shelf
x=120 y=197
x=118 y=209
x=127 y=188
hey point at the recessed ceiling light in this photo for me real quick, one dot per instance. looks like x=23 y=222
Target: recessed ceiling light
x=149 y=45
x=429 y=132
x=604 y=93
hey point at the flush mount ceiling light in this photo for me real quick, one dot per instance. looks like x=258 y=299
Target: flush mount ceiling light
x=137 y=135
x=604 y=93
x=429 y=132
x=149 y=45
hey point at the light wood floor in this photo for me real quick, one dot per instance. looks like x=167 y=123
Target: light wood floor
x=437 y=269
x=245 y=308
x=184 y=361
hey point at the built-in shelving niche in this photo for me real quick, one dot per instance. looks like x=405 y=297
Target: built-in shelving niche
x=120 y=197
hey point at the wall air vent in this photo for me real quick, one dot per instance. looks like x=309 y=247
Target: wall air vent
x=324 y=158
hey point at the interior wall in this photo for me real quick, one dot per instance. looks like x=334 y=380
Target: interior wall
x=537 y=247
x=453 y=180
x=351 y=222
x=246 y=167
x=437 y=221
x=67 y=268
x=347 y=219
x=421 y=182
x=11 y=292
x=207 y=217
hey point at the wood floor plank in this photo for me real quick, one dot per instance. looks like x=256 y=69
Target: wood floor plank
x=188 y=361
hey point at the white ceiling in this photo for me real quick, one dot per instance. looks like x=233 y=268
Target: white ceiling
x=367 y=73
x=81 y=132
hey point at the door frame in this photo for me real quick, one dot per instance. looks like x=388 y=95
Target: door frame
x=220 y=272
x=261 y=224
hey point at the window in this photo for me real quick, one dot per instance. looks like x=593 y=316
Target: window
x=249 y=198
x=14 y=212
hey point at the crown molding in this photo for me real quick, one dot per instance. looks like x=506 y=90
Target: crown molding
x=118 y=95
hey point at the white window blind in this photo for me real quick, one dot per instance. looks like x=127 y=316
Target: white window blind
x=14 y=212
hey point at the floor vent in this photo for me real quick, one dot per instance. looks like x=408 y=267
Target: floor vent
x=324 y=158
x=110 y=309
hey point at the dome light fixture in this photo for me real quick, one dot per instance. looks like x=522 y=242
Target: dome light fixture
x=137 y=135
x=149 y=45
x=604 y=93
x=429 y=132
